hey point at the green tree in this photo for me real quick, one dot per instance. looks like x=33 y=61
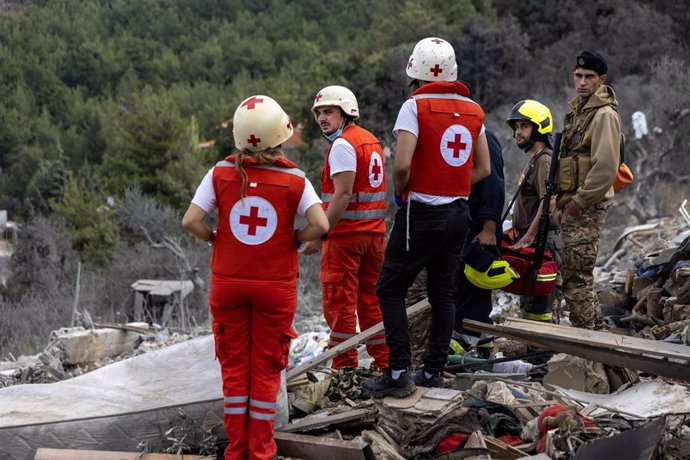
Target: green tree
x=91 y=222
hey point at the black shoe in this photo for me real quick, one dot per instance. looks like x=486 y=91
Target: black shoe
x=435 y=381
x=385 y=385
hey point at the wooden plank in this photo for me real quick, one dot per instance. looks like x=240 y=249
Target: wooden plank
x=352 y=342
x=315 y=422
x=318 y=448
x=623 y=342
x=589 y=350
x=536 y=404
x=75 y=454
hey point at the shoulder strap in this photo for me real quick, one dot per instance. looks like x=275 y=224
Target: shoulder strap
x=533 y=161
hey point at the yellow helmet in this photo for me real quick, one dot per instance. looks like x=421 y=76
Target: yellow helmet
x=534 y=112
x=485 y=270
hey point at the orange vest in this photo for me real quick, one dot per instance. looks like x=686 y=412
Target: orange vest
x=367 y=208
x=449 y=125
x=255 y=238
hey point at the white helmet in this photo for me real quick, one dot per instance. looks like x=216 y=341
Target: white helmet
x=433 y=59
x=338 y=96
x=260 y=123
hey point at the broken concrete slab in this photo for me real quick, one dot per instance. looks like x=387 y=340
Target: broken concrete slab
x=79 y=345
x=576 y=373
x=646 y=399
x=425 y=404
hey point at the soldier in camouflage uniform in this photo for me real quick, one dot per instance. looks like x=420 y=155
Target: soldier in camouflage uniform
x=590 y=156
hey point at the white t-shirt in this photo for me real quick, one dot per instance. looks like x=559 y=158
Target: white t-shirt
x=407 y=121
x=343 y=157
x=205 y=196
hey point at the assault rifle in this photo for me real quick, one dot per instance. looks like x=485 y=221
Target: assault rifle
x=545 y=218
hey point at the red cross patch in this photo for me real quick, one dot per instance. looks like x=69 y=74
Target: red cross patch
x=376 y=170
x=253 y=220
x=456 y=145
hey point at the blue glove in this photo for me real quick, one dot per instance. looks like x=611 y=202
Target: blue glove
x=297 y=242
x=398 y=200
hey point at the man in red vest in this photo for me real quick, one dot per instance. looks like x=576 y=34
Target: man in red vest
x=442 y=150
x=253 y=296
x=353 y=191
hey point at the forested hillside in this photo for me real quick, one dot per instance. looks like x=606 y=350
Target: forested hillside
x=103 y=106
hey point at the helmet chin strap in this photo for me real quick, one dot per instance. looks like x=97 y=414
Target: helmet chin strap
x=528 y=146
x=333 y=136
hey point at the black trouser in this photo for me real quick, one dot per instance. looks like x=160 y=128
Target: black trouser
x=436 y=238
x=473 y=303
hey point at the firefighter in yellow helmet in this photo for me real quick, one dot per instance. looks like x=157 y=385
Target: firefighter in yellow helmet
x=531 y=122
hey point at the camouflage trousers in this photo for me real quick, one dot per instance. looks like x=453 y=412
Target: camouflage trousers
x=580 y=247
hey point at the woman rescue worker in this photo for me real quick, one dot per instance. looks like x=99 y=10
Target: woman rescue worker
x=254 y=264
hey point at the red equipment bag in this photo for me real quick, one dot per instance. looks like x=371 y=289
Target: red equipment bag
x=522 y=262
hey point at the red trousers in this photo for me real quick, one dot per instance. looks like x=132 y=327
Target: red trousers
x=350 y=267
x=252 y=325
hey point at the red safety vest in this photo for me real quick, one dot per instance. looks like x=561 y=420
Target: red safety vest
x=366 y=211
x=449 y=125
x=255 y=237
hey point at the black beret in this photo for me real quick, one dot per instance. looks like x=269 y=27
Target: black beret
x=591 y=60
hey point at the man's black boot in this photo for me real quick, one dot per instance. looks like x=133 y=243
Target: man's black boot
x=435 y=381
x=386 y=385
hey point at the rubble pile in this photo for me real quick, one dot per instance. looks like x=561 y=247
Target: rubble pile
x=650 y=296
x=51 y=365
x=517 y=401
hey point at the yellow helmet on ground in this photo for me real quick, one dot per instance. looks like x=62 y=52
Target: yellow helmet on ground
x=485 y=270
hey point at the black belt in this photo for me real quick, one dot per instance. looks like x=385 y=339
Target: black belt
x=453 y=204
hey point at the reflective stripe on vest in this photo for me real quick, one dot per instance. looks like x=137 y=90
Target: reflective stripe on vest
x=358 y=197
x=293 y=171
x=443 y=96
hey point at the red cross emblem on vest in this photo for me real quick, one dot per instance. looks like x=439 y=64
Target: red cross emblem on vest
x=253 y=220
x=456 y=145
x=375 y=170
